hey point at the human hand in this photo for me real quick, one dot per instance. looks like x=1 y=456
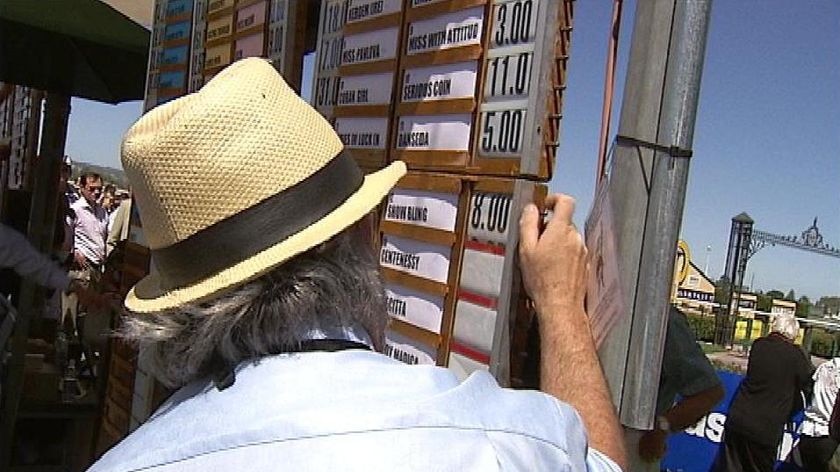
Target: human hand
x=554 y=263
x=652 y=445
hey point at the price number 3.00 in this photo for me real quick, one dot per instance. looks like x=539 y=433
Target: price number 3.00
x=508 y=76
x=502 y=131
x=514 y=23
x=490 y=213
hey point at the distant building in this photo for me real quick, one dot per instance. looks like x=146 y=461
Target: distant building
x=696 y=293
x=747 y=303
x=783 y=307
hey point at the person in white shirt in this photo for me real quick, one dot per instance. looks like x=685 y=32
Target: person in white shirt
x=268 y=310
x=18 y=254
x=89 y=223
x=815 y=445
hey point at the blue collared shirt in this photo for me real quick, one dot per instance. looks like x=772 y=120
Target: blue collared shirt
x=356 y=410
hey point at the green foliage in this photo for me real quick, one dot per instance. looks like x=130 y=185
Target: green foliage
x=775 y=294
x=763 y=302
x=803 y=306
x=722 y=291
x=791 y=296
x=702 y=326
x=822 y=343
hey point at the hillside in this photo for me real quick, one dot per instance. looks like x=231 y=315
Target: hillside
x=109 y=174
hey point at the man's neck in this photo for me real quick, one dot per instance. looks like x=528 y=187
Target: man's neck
x=91 y=203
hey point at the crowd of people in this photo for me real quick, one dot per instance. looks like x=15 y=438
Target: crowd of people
x=89 y=225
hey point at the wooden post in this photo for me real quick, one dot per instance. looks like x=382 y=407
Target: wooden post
x=41 y=226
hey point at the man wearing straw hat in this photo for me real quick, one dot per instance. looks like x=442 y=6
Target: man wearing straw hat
x=267 y=309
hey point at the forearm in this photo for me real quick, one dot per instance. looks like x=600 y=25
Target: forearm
x=30 y=264
x=571 y=372
x=691 y=408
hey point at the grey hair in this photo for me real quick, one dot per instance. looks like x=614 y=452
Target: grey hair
x=334 y=285
x=786 y=325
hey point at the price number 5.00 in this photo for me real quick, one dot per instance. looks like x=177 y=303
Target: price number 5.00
x=502 y=131
x=489 y=215
x=514 y=23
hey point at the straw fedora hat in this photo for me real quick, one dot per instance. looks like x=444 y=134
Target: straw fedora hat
x=233 y=180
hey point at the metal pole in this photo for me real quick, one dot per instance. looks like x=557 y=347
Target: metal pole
x=648 y=194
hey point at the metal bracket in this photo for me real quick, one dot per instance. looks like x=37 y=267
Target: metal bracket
x=673 y=151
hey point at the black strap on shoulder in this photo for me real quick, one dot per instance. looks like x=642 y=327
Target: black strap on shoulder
x=224 y=375
x=329 y=345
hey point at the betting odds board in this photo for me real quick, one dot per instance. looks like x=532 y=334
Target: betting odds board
x=192 y=40
x=469 y=94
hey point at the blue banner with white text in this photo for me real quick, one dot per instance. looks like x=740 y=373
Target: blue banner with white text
x=694 y=449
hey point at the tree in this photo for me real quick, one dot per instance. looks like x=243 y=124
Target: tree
x=722 y=291
x=803 y=306
x=775 y=294
x=831 y=305
x=791 y=296
x=763 y=302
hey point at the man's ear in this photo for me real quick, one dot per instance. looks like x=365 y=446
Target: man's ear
x=367 y=228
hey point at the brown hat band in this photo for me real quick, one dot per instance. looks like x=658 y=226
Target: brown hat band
x=255 y=229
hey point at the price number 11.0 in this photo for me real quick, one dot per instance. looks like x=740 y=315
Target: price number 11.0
x=502 y=131
x=508 y=76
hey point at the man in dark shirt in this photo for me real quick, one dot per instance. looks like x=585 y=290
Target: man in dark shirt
x=689 y=387
x=778 y=374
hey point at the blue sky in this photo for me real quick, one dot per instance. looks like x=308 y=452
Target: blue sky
x=766 y=140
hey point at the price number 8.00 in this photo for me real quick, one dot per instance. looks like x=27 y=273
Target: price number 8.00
x=502 y=131
x=514 y=23
x=490 y=212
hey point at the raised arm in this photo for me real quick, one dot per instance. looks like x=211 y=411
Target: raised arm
x=554 y=272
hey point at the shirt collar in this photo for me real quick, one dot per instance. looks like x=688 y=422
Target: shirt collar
x=355 y=333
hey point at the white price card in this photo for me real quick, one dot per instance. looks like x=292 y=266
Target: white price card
x=434 y=132
x=371 y=89
x=216 y=5
x=502 y=132
x=420 y=3
x=420 y=309
x=362 y=133
x=481 y=271
x=408 y=350
x=250 y=16
x=474 y=323
x=439 y=82
x=462 y=366
x=220 y=28
x=514 y=23
x=422 y=208
x=508 y=77
x=371 y=46
x=419 y=258
x=361 y=10
x=489 y=218
x=460 y=28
